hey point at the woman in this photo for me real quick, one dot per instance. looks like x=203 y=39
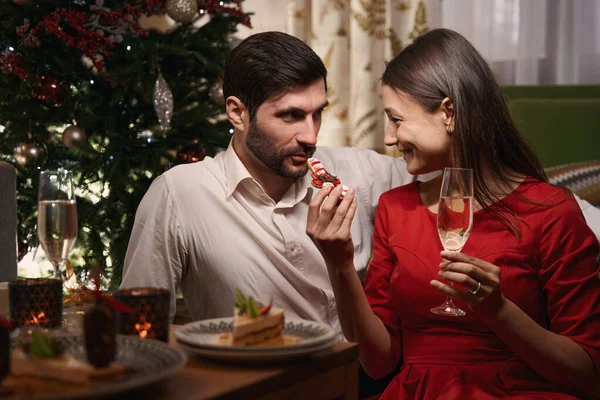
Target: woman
x=527 y=276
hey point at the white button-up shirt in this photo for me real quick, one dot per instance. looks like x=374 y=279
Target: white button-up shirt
x=209 y=228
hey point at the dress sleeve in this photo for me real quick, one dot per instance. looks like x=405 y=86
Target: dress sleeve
x=569 y=276
x=155 y=254
x=377 y=283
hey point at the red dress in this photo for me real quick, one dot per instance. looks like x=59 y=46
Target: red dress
x=551 y=274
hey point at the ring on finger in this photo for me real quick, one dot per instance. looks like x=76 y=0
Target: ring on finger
x=474 y=292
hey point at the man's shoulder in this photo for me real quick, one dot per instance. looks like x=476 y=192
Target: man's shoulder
x=347 y=153
x=357 y=158
x=198 y=173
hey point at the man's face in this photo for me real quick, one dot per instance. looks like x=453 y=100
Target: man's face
x=283 y=134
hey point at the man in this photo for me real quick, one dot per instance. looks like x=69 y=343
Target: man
x=238 y=220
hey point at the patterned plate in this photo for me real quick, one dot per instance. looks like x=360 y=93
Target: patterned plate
x=265 y=353
x=151 y=361
x=208 y=334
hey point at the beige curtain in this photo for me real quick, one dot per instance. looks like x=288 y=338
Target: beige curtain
x=355 y=38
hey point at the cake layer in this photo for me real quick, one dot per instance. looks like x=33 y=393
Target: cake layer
x=259 y=337
x=244 y=325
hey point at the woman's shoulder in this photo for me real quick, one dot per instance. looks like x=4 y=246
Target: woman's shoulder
x=539 y=199
x=544 y=193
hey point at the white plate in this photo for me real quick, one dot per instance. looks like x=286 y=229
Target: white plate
x=264 y=354
x=207 y=334
x=150 y=360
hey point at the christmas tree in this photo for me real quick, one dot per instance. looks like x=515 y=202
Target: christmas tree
x=85 y=86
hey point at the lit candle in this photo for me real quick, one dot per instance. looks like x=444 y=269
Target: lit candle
x=36 y=302
x=150 y=316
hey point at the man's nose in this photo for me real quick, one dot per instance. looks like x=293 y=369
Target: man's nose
x=309 y=133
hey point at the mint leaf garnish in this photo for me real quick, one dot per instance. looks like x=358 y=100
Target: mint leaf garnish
x=253 y=311
x=240 y=299
x=44 y=346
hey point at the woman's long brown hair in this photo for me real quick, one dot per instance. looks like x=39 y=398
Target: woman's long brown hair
x=442 y=63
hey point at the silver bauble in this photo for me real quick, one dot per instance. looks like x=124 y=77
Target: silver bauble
x=30 y=154
x=74 y=136
x=216 y=92
x=183 y=11
x=163 y=101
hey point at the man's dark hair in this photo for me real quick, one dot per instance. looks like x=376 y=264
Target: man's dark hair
x=270 y=64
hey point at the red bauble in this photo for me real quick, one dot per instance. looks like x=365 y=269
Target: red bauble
x=50 y=90
x=191 y=154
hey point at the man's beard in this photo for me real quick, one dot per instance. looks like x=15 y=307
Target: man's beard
x=262 y=147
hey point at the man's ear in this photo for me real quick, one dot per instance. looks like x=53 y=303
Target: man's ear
x=447 y=108
x=237 y=113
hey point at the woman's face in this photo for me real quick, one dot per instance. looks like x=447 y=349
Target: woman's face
x=421 y=136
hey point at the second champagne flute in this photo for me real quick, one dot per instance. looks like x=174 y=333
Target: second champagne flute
x=454 y=221
x=57 y=217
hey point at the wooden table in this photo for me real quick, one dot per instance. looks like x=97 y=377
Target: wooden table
x=331 y=374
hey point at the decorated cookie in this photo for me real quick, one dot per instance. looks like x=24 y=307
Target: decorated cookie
x=320 y=176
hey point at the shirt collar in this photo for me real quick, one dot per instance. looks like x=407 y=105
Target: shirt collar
x=236 y=172
x=297 y=192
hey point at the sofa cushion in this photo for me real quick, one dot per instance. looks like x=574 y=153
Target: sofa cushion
x=561 y=130
x=582 y=178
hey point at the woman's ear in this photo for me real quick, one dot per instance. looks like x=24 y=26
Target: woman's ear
x=237 y=113
x=447 y=108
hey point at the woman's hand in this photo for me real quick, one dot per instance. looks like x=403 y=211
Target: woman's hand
x=328 y=224
x=480 y=279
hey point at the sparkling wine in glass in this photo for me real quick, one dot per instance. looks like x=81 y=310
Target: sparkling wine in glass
x=57 y=217
x=454 y=221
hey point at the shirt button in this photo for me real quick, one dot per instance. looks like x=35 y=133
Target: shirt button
x=293 y=248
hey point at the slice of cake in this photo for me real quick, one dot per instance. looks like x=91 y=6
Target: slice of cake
x=64 y=368
x=254 y=323
x=42 y=356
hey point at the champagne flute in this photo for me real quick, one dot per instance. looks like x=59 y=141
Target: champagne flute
x=454 y=221
x=57 y=217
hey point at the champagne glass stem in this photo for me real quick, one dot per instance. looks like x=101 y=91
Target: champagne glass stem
x=57 y=268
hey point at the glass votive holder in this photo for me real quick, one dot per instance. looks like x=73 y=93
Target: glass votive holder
x=150 y=317
x=36 y=302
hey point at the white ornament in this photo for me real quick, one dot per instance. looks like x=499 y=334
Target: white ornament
x=183 y=11
x=163 y=101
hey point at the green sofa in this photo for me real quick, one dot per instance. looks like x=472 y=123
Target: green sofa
x=562 y=122
x=563 y=125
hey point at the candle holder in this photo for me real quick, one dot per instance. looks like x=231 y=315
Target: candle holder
x=36 y=302
x=150 y=317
